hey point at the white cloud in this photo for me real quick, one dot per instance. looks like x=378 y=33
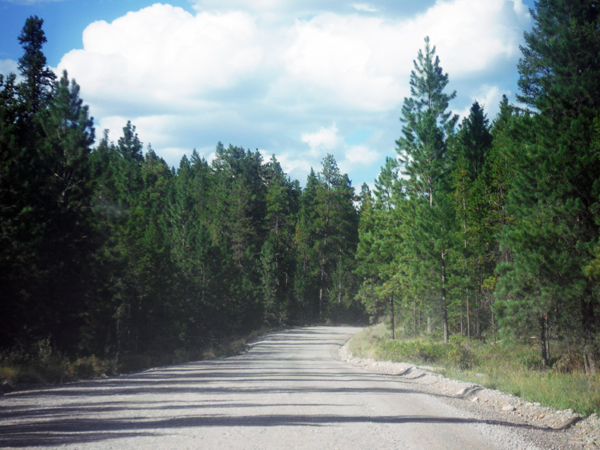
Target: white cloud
x=345 y=60
x=364 y=62
x=490 y=97
x=472 y=35
x=361 y=154
x=164 y=56
x=366 y=7
x=322 y=141
x=267 y=74
x=8 y=66
x=203 y=5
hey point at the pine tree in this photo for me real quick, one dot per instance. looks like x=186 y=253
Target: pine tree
x=306 y=284
x=422 y=151
x=273 y=308
x=335 y=230
x=12 y=261
x=380 y=256
x=553 y=200
x=471 y=200
x=36 y=90
x=281 y=206
x=55 y=205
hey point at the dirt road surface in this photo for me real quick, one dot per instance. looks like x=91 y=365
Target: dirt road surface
x=289 y=391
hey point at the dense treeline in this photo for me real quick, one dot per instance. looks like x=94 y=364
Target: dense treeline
x=479 y=228
x=486 y=228
x=107 y=250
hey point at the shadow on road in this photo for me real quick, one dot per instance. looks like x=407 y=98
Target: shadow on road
x=63 y=431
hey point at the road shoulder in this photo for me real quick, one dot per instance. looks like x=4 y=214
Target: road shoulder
x=544 y=427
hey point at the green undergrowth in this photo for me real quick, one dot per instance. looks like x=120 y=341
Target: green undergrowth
x=511 y=368
x=42 y=364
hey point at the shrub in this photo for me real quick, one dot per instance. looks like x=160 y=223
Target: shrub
x=461 y=357
x=570 y=361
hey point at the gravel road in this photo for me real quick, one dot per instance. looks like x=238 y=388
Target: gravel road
x=289 y=391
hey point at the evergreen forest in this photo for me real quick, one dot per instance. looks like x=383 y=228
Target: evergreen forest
x=108 y=251
x=487 y=228
x=490 y=228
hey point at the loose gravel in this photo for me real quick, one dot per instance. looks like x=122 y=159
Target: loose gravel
x=544 y=427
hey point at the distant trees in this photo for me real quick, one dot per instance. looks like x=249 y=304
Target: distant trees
x=327 y=236
x=107 y=250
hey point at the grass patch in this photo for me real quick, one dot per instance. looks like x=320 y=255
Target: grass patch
x=511 y=368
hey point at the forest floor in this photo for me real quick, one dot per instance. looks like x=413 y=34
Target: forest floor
x=567 y=430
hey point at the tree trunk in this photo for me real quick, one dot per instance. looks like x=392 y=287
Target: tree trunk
x=415 y=317
x=477 y=315
x=587 y=318
x=393 y=324
x=468 y=318
x=547 y=338
x=543 y=341
x=493 y=326
x=444 y=308
x=320 y=302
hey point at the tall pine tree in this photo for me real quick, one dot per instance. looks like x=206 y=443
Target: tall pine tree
x=553 y=198
x=422 y=150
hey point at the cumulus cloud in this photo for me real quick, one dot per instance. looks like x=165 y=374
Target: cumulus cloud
x=361 y=155
x=322 y=141
x=163 y=57
x=293 y=78
x=364 y=62
x=343 y=65
x=280 y=8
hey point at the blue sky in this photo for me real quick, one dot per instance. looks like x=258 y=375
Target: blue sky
x=295 y=78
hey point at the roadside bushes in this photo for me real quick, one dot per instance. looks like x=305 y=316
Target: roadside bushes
x=41 y=363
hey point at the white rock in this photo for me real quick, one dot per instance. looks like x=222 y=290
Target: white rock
x=508 y=408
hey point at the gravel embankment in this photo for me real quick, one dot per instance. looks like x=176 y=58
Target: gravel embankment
x=545 y=427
